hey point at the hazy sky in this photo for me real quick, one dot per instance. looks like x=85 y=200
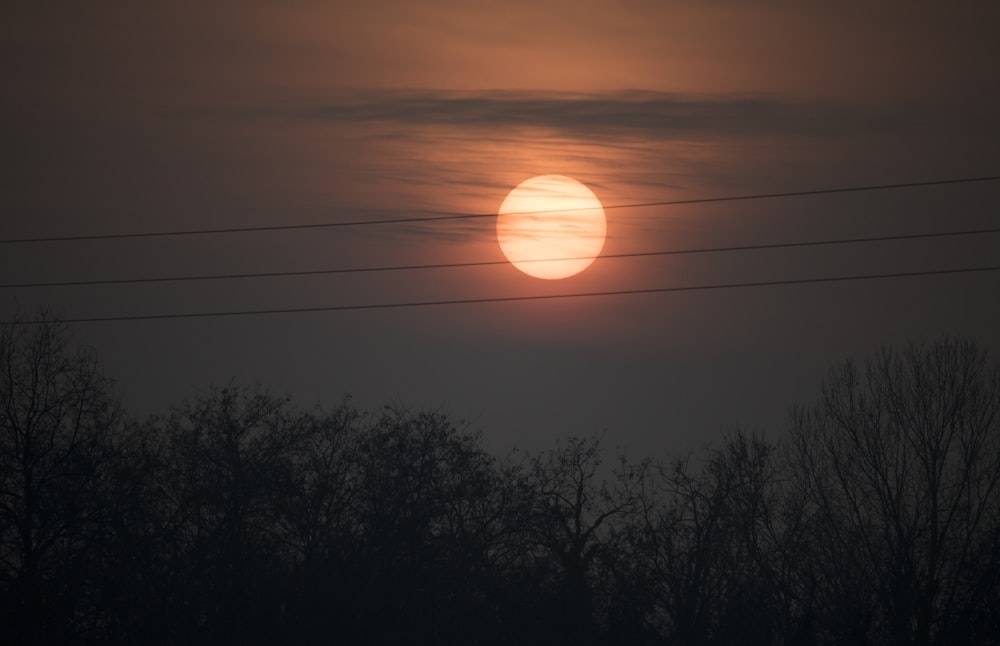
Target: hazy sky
x=161 y=116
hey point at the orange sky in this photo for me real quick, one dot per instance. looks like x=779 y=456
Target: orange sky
x=174 y=115
x=212 y=52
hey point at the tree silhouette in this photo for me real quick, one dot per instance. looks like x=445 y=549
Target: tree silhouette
x=423 y=533
x=900 y=464
x=704 y=542
x=574 y=509
x=316 y=525
x=223 y=455
x=237 y=518
x=58 y=414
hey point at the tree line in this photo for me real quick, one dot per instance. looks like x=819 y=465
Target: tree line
x=238 y=517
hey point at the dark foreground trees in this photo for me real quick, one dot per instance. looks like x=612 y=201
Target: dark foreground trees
x=898 y=466
x=60 y=436
x=706 y=545
x=239 y=518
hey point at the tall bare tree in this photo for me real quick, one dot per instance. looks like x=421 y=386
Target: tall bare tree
x=706 y=542
x=899 y=463
x=58 y=414
x=576 y=508
x=223 y=455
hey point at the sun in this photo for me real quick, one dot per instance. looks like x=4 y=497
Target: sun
x=551 y=227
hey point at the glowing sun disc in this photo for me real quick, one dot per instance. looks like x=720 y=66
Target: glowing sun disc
x=551 y=227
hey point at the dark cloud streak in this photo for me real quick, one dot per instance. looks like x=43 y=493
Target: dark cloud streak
x=642 y=114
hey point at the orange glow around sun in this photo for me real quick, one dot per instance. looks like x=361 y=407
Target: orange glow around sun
x=551 y=227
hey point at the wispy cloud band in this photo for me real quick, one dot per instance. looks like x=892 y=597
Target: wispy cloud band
x=635 y=113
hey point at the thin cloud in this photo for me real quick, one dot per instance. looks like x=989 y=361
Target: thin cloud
x=640 y=114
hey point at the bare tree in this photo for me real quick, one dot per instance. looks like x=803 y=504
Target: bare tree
x=222 y=456
x=57 y=417
x=431 y=508
x=899 y=463
x=316 y=488
x=707 y=540
x=573 y=520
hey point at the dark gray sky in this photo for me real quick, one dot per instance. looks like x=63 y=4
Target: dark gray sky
x=158 y=116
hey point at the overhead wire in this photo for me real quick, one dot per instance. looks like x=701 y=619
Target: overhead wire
x=486 y=263
x=469 y=216
x=410 y=304
x=508 y=299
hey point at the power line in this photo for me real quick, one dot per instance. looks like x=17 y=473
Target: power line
x=485 y=263
x=469 y=216
x=507 y=299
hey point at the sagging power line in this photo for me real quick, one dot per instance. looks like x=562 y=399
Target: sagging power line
x=470 y=216
x=486 y=263
x=507 y=299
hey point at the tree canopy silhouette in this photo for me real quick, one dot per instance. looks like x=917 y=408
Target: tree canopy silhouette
x=238 y=517
x=899 y=465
